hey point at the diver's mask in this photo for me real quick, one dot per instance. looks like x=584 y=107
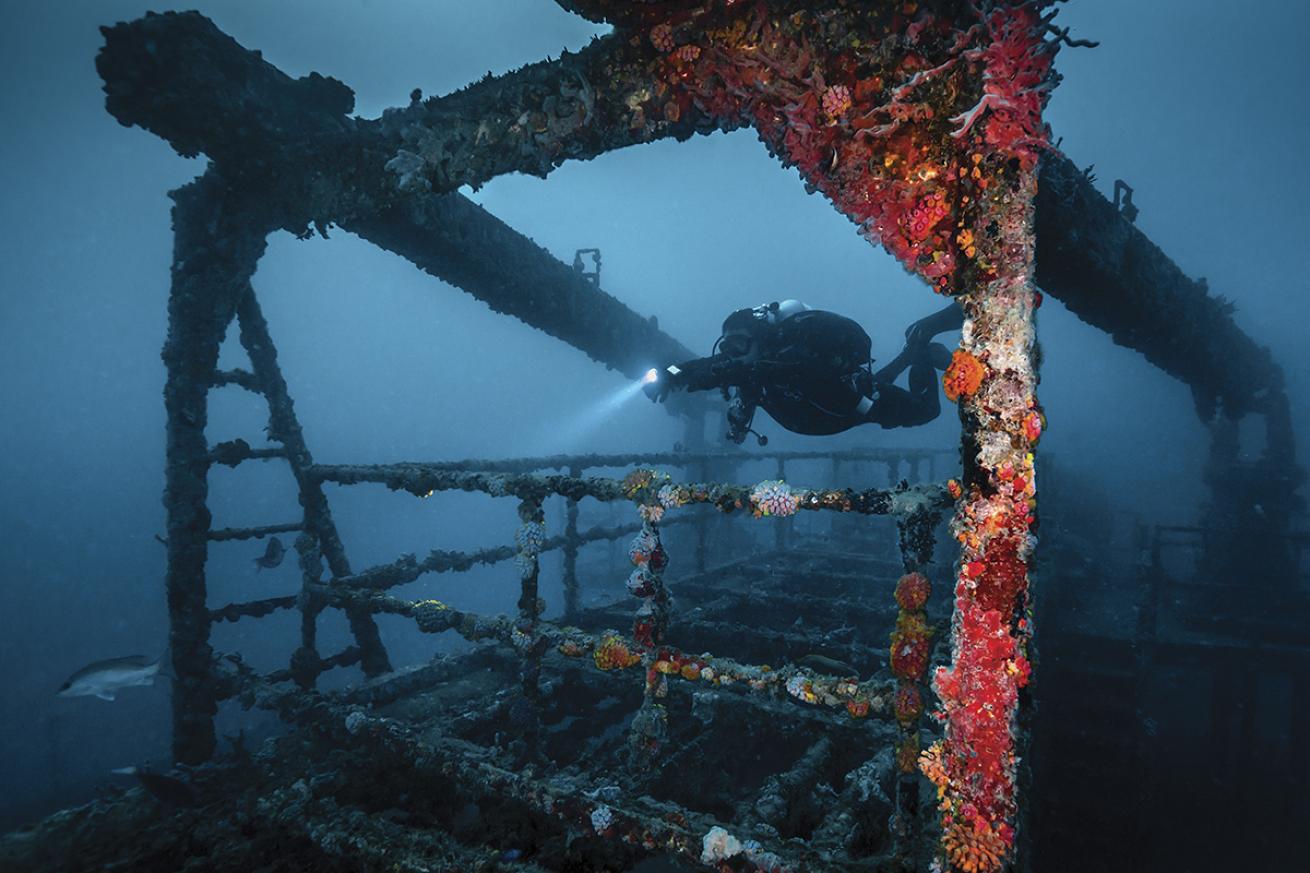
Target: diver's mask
x=735 y=345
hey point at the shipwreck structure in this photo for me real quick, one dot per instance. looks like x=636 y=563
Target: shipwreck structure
x=922 y=123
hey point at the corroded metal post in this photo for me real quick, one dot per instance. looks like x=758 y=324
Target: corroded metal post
x=530 y=537
x=217 y=243
x=993 y=378
x=649 y=731
x=305 y=663
x=571 y=543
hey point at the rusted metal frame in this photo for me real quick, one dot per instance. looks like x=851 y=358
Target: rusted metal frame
x=285 y=428
x=916 y=542
x=236 y=376
x=306 y=664
x=639 y=821
x=432 y=616
x=218 y=240
x=254 y=608
x=327 y=166
x=347 y=657
x=316 y=165
x=423 y=480
x=234 y=452
x=648 y=734
x=407 y=569
x=531 y=535
x=572 y=541
x=253 y=533
x=675 y=459
x=767 y=809
x=692 y=632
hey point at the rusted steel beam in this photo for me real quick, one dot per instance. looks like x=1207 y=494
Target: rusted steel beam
x=253 y=608
x=612 y=652
x=314 y=164
x=1110 y=274
x=457 y=241
x=292 y=141
x=425 y=479
x=680 y=459
x=252 y=533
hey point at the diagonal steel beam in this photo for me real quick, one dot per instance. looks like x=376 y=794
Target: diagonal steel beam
x=292 y=142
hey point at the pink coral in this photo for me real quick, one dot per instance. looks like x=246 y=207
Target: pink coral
x=774 y=497
x=661 y=36
x=836 y=100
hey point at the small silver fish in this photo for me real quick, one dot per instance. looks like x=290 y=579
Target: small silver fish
x=104 y=679
x=828 y=666
x=272 y=555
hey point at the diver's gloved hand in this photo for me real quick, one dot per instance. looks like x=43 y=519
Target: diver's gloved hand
x=660 y=382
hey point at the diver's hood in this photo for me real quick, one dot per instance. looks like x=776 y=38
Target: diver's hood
x=750 y=320
x=742 y=327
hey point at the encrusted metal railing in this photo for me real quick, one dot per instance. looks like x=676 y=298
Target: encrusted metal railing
x=912 y=506
x=659 y=502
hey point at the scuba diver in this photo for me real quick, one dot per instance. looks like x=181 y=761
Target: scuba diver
x=812 y=372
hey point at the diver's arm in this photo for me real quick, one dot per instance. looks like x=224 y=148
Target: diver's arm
x=717 y=371
x=704 y=374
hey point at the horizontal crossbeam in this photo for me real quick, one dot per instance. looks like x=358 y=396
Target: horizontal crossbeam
x=425 y=479
x=253 y=533
x=406 y=569
x=612 y=652
x=683 y=459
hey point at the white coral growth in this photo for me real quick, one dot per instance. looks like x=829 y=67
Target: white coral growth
x=719 y=845
x=642 y=545
x=601 y=818
x=775 y=497
x=530 y=537
x=669 y=497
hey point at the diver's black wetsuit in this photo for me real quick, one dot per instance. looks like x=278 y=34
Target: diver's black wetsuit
x=811 y=373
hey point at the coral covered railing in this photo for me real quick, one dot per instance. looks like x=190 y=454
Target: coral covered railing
x=649 y=649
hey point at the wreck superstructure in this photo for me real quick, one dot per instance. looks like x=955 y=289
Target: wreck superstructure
x=924 y=127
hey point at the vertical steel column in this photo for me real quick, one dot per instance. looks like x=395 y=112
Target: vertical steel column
x=530 y=537
x=703 y=526
x=910 y=652
x=648 y=733
x=305 y=665
x=571 y=551
x=217 y=241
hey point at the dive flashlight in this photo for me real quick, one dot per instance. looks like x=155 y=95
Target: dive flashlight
x=655 y=382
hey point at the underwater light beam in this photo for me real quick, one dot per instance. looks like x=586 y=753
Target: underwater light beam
x=592 y=417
